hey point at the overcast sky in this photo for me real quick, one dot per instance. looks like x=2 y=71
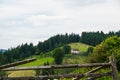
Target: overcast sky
x=28 y=21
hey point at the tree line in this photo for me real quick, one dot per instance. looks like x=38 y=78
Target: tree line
x=26 y=50
x=95 y=38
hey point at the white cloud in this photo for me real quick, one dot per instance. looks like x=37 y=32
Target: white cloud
x=11 y=12
x=44 y=20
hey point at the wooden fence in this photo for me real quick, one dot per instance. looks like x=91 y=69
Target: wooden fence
x=91 y=75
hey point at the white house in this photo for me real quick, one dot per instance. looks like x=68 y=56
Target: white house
x=75 y=51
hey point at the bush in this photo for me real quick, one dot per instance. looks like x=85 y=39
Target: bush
x=102 y=51
x=58 y=55
x=67 y=49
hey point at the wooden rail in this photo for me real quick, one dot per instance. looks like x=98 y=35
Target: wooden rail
x=91 y=75
x=17 y=63
x=59 y=76
x=57 y=66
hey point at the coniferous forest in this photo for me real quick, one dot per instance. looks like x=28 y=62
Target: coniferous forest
x=26 y=50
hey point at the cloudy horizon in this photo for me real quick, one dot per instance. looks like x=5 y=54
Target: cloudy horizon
x=26 y=21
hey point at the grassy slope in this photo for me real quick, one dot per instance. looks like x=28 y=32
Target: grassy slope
x=71 y=59
x=80 y=46
x=39 y=61
x=74 y=59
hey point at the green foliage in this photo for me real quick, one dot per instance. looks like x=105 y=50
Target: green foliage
x=92 y=38
x=89 y=51
x=58 y=55
x=102 y=51
x=18 y=53
x=47 y=71
x=2 y=73
x=2 y=59
x=57 y=41
x=67 y=49
x=95 y=38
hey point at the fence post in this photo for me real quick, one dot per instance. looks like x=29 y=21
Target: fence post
x=114 y=68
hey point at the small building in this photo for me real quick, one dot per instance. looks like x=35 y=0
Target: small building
x=75 y=51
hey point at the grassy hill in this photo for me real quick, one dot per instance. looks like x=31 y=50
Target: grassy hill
x=41 y=59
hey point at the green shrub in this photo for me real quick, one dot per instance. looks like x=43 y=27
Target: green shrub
x=102 y=51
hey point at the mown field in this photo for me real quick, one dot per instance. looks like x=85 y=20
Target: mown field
x=38 y=62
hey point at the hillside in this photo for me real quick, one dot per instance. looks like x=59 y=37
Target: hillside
x=80 y=46
x=41 y=59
